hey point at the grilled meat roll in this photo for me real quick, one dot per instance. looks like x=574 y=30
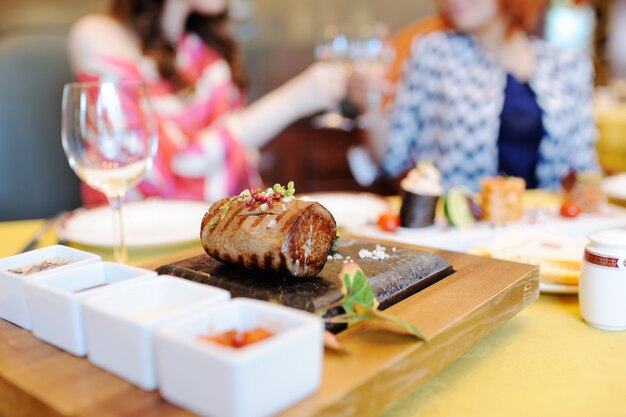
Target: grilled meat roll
x=291 y=237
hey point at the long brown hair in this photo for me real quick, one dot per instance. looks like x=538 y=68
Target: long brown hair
x=523 y=14
x=144 y=17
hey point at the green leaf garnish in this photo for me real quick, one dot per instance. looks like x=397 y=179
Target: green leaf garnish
x=356 y=289
x=377 y=314
x=359 y=304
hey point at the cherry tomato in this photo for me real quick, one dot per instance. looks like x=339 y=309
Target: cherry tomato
x=389 y=222
x=570 y=209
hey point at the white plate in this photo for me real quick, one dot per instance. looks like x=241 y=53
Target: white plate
x=615 y=186
x=557 y=288
x=351 y=209
x=146 y=223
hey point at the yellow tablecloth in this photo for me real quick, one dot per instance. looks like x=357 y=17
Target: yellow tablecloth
x=15 y=235
x=544 y=362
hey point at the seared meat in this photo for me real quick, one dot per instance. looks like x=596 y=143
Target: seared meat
x=292 y=237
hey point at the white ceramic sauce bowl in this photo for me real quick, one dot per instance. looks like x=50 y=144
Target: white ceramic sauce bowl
x=257 y=380
x=13 y=304
x=55 y=300
x=120 y=324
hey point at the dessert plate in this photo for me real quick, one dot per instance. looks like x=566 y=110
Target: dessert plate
x=615 y=186
x=559 y=257
x=150 y=222
x=351 y=209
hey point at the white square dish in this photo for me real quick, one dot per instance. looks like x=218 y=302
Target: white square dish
x=120 y=325
x=259 y=379
x=17 y=270
x=55 y=300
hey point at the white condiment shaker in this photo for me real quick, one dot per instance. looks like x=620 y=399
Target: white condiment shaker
x=602 y=288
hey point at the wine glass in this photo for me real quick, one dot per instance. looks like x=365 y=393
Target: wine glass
x=335 y=45
x=372 y=55
x=110 y=139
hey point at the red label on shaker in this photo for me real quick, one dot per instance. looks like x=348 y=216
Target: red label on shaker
x=603 y=261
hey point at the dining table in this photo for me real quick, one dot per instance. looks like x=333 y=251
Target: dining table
x=543 y=361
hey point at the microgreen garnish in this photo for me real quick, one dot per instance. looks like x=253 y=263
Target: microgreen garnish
x=266 y=199
x=359 y=304
x=285 y=192
x=224 y=209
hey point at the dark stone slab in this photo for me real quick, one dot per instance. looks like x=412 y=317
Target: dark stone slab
x=405 y=272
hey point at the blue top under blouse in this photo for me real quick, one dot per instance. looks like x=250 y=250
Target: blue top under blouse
x=521 y=131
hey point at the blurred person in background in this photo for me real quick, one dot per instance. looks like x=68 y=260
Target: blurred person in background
x=483 y=98
x=183 y=52
x=617 y=42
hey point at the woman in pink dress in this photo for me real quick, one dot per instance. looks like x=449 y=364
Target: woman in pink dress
x=208 y=137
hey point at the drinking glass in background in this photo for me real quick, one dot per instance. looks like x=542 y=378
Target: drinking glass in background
x=372 y=56
x=110 y=139
x=335 y=45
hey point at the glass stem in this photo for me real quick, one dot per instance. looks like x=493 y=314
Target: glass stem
x=119 y=247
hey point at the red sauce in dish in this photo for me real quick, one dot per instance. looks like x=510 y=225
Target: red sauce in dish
x=236 y=339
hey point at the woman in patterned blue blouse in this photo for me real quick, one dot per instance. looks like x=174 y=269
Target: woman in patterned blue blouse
x=485 y=98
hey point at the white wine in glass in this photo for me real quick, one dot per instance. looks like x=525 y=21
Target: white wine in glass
x=335 y=45
x=373 y=55
x=110 y=139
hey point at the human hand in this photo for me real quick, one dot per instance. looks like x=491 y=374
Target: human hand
x=368 y=88
x=315 y=89
x=318 y=87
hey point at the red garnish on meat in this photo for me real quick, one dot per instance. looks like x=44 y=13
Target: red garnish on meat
x=261 y=197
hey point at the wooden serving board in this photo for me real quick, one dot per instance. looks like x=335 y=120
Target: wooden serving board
x=404 y=272
x=381 y=366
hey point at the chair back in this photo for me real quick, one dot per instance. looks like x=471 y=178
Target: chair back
x=403 y=41
x=35 y=178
